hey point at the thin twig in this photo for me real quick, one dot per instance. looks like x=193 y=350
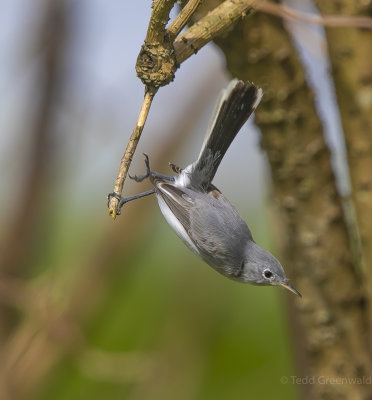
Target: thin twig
x=129 y=151
x=283 y=11
x=159 y=18
x=176 y=26
x=148 y=68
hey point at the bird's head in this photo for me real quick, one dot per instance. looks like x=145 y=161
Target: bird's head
x=262 y=268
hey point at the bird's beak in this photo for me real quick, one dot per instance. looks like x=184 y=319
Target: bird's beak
x=287 y=286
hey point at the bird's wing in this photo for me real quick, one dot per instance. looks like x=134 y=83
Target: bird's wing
x=208 y=218
x=177 y=200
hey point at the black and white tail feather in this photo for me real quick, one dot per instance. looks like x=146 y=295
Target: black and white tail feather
x=233 y=108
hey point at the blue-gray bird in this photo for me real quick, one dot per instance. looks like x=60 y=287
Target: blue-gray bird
x=200 y=214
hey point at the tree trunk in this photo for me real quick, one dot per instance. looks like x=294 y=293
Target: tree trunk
x=351 y=59
x=317 y=251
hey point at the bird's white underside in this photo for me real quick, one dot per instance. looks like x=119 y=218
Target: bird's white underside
x=176 y=225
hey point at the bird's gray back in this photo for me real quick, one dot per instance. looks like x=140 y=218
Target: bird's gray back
x=218 y=230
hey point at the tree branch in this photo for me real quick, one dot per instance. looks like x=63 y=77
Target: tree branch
x=131 y=148
x=155 y=66
x=159 y=18
x=176 y=26
x=164 y=50
x=215 y=23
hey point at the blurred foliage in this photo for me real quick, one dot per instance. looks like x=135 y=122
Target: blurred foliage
x=170 y=327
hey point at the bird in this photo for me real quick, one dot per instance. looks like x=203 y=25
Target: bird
x=200 y=214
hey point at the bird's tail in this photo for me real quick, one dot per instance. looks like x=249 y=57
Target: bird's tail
x=233 y=108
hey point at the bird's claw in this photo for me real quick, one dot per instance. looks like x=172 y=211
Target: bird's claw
x=140 y=178
x=122 y=201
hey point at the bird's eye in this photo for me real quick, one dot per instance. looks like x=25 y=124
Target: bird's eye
x=268 y=274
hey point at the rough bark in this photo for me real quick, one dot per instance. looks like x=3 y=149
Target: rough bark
x=317 y=251
x=351 y=60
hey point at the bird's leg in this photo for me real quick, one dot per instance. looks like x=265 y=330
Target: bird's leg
x=123 y=200
x=149 y=173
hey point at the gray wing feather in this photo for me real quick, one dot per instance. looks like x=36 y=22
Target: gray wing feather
x=213 y=224
x=177 y=201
